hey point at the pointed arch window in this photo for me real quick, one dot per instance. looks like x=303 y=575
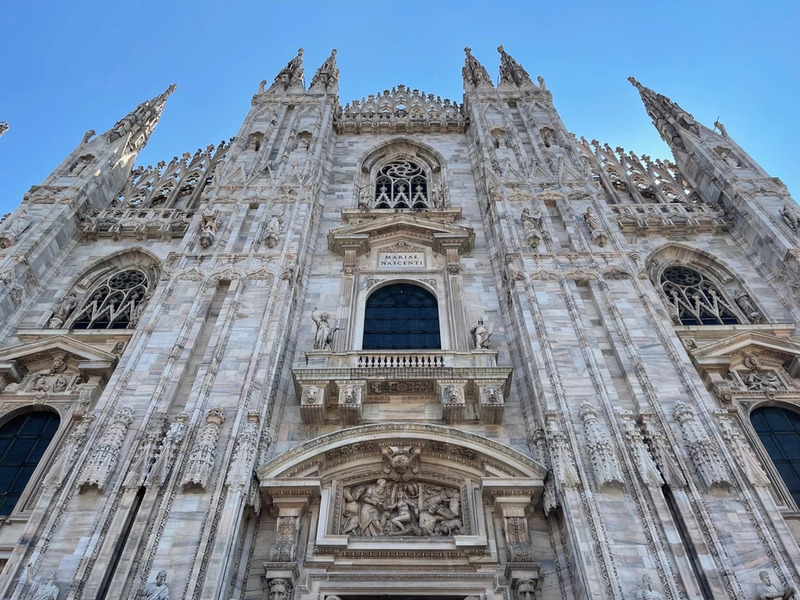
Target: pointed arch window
x=23 y=441
x=779 y=431
x=694 y=299
x=401 y=184
x=116 y=302
x=401 y=317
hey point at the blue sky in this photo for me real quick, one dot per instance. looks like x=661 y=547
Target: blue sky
x=74 y=66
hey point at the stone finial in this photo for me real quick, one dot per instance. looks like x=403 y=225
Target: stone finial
x=327 y=76
x=474 y=72
x=291 y=75
x=511 y=71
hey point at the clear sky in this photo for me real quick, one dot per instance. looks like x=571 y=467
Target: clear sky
x=73 y=66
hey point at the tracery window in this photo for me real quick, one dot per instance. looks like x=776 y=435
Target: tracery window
x=401 y=184
x=779 y=431
x=23 y=441
x=401 y=317
x=694 y=299
x=116 y=302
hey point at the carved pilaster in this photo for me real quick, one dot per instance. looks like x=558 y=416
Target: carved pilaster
x=66 y=459
x=166 y=457
x=741 y=451
x=645 y=465
x=510 y=498
x=453 y=398
x=103 y=460
x=240 y=472
x=204 y=451
x=702 y=449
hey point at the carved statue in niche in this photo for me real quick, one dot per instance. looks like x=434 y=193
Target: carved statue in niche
x=62 y=310
x=647 y=592
x=273 y=232
x=744 y=302
x=401 y=508
x=324 y=334
x=531 y=224
x=157 y=590
x=599 y=235
x=208 y=229
x=768 y=591
x=481 y=333
x=525 y=589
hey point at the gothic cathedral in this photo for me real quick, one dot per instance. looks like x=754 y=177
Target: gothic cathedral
x=402 y=348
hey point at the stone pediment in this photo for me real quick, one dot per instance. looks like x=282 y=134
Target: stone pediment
x=401 y=226
x=18 y=361
x=727 y=351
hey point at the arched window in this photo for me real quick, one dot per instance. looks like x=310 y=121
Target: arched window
x=116 y=302
x=23 y=441
x=779 y=430
x=401 y=317
x=401 y=184
x=694 y=300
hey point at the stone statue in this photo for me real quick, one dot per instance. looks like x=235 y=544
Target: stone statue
x=138 y=311
x=272 y=235
x=60 y=384
x=524 y=589
x=599 y=235
x=531 y=225
x=350 y=512
x=480 y=334
x=718 y=124
x=768 y=591
x=157 y=590
x=62 y=310
x=44 y=591
x=743 y=301
x=791 y=216
x=647 y=592
x=208 y=230
x=324 y=334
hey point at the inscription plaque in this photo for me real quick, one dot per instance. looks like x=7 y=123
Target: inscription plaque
x=401 y=260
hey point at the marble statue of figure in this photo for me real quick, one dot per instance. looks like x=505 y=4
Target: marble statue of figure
x=157 y=590
x=60 y=384
x=373 y=503
x=324 y=334
x=791 y=216
x=592 y=222
x=647 y=592
x=44 y=591
x=350 y=512
x=480 y=334
x=768 y=591
x=62 y=310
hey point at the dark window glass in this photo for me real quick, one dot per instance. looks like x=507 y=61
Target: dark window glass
x=779 y=430
x=694 y=299
x=401 y=317
x=116 y=303
x=23 y=441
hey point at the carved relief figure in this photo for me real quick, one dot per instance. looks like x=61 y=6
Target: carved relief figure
x=157 y=590
x=481 y=333
x=791 y=216
x=599 y=235
x=768 y=591
x=373 y=503
x=350 y=513
x=44 y=591
x=62 y=310
x=279 y=589
x=762 y=380
x=744 y=302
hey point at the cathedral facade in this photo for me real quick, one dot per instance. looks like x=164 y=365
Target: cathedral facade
x=402 y=348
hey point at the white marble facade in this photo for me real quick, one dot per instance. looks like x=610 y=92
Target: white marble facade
x=227 y=427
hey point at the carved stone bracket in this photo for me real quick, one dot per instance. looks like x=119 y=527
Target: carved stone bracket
x=351 y=394
x=511 y=497
x=453 y=396
x=313 y=401
x=491 y=403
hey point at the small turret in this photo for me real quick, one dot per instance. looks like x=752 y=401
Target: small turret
x=326 y=79
x=474 y=73
x=291 y=76
x=511 y=72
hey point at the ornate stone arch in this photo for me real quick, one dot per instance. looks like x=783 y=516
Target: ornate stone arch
x=699 y=289
x=330 y=490
x=131 y=274
x=402 y=151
